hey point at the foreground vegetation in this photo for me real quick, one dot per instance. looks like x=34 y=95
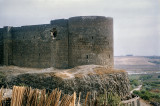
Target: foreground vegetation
x=150 y=87
x=25 y=96
x=2 y=79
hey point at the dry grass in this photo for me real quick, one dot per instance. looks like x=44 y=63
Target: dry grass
x=90 y=73
x=78 y=72
x=68 y=100
x=79 y=75
x=85 y=103
x=61 y=75
x=78 y=104
x=17 y=96
x=1 y=96
x=103 y=70
x=23 y=96
x=99 y=71
x=65 y=100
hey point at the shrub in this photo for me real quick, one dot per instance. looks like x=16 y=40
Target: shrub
x=145 y=77
x=136 y=92
x=146 y=95
x=134 y=82
x=109 y=98
x=2 y=79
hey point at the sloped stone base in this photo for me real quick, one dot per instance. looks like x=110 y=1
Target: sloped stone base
x=82 y=79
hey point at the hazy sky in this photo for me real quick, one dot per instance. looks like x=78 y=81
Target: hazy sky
x=136 y=22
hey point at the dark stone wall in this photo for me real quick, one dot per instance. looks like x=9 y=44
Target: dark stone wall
x=91 y=41
x=7 y=46
x=1 y=46
x=61 y=44
x=31 y=46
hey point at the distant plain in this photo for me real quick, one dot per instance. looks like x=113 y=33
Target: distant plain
x=138 y=64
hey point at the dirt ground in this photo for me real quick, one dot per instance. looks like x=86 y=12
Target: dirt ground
x=144 y=103
x=63 y=73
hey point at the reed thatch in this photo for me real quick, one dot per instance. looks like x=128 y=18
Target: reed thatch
x=1 y=96
x=25 y=96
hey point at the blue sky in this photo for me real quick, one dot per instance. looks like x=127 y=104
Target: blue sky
x=136 y=22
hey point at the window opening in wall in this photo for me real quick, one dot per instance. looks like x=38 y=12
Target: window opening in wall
x=39 y=54
x=23 y=37
x=53 y=33
x=92 y=37
x=34 y=37
x=87 y=56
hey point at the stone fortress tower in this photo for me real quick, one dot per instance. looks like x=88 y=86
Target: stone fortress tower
x=64 y=43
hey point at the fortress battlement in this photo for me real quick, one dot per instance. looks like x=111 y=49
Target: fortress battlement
x=64 y=43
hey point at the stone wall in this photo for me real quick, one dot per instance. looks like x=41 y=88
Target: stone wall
x=7 y=46
x=1 y=46
x=59 y=44
x=31 y=46
x=90 y=41
x=64 y=43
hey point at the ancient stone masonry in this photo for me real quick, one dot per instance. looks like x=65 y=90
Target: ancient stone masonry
x=64 y=43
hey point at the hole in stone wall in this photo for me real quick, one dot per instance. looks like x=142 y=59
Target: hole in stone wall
x=53 y=33
x=92 y=37
x=87 y=56
x=39 y=54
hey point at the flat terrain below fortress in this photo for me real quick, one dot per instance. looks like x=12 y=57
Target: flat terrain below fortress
x=138 y=64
